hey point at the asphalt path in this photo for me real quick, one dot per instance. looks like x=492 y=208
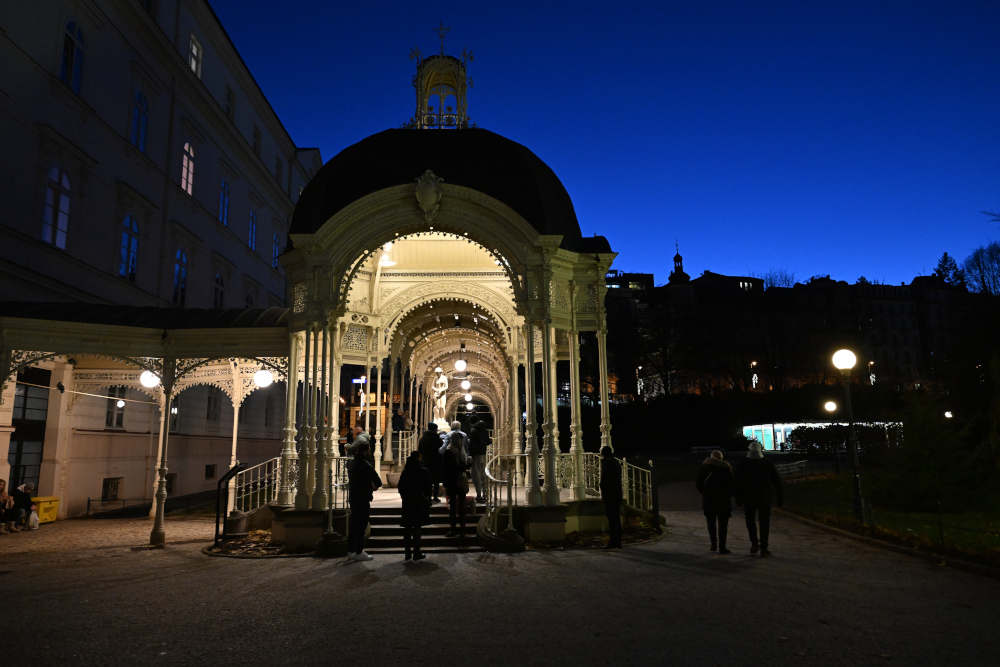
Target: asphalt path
x=75 y=592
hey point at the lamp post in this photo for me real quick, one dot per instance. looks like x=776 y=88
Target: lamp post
x=844 y=360
x=831 y=407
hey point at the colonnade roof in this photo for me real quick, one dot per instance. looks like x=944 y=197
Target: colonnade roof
x=474 y=158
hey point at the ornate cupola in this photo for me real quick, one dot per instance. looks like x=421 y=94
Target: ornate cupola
x=677 y=275
x=441 y=85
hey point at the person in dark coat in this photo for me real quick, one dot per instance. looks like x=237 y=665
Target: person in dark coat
x=479 y=442
x=715 y=484
x=430 y=443
x=456 y=485
x=415 y=491
x=363 y=482
x=23 y=504
x=611 y=494
x=758 y=486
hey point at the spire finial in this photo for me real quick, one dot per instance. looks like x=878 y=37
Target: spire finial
x=441 y=30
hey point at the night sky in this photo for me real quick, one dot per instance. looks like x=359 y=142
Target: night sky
x=841 y=138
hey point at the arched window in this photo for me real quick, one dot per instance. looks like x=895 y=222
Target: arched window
x=252 y=236
x=140 y=117
x=224 y=203
x=249 y=301
x=275 y=251
x=130 y=248
x=187 y=169
x=71 y=70
x=220 y=291
x=180 y=276
x=56 y=220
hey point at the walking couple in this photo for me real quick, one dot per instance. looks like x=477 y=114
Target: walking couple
x=756 y=486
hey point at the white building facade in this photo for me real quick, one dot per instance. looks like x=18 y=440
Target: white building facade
x=141 y=166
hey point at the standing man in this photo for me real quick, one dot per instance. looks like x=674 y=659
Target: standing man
x=758 y=486
x=363 y=482
x=479 y=442
x=430 y=443
x=361 y=437
x=611 y=494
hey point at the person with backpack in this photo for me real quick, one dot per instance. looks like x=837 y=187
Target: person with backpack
x=758 y=486
x=415 y=492
x=716 y=486
x=456 y=484
x=429 y=446
x=363 y=482
x=479 y=442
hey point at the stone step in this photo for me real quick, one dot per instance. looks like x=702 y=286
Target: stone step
x=426 y=532
x=426 y=548
x=439 y=519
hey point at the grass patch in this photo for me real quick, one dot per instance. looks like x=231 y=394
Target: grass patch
x=970 y=534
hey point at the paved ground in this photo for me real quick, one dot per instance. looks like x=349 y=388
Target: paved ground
x=75 y=593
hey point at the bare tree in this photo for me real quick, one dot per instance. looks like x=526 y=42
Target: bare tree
x=982 y=269
x=775 y=278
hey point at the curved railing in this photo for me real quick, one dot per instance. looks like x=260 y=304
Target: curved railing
x=407 y=443
x=505 y=475
x=258 y=485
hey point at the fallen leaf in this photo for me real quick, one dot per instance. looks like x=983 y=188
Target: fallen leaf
x=782 y=639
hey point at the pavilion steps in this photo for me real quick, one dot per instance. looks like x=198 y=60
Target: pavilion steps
x=387 y=535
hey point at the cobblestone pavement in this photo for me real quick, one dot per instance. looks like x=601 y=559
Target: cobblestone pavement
x=76 y=593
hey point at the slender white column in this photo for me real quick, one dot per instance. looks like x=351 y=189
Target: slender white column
x=368 y=393
x=319 y=498
x=533 y=494
x=388 y=427
x=575 y=436
x=410 y=407
x=237 y=401
x=378 y=419
x=158 y=535
x=550 y=492
x=335 y=403
x=302 y=493
x=285 y=492
x=602 y=352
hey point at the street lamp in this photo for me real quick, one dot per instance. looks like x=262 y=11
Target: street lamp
x=830 y=406
x=844 y=360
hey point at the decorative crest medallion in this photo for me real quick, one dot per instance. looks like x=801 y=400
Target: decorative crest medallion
x=428 y=193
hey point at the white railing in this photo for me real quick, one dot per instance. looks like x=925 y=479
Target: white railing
x=257 y=485
x=502 y=474
x=406 y=444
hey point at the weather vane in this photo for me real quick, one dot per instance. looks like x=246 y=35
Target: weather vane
x=442 y=31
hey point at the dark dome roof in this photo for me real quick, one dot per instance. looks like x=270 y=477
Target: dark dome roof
x=474 y=158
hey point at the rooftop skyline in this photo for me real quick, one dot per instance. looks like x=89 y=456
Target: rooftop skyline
x=846 y=139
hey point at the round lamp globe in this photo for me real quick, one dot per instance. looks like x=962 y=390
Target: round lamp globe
x=844 y=360
x=148 y=379
x=263 y=378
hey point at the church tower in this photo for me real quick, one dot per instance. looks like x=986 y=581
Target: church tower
x=441 y=85
x=677 y=276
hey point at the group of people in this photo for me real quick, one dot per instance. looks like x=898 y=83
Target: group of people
x=756 y=486
x=15 y=507
x=439 y=460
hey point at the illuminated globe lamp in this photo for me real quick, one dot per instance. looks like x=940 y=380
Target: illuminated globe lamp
x=466 y=385
x=120 y=403
x=149 y=379
x=469 y=406
x=844 y=360
x=468 y=397
x=263 y=378
x=830 y=406
x=460 y=365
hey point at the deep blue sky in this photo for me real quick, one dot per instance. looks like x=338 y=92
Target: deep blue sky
x=841 y=138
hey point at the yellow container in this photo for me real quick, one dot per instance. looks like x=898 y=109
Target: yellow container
x=47 y=507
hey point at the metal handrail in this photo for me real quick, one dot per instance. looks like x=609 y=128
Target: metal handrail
x=500 y=473
x=257 y=485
